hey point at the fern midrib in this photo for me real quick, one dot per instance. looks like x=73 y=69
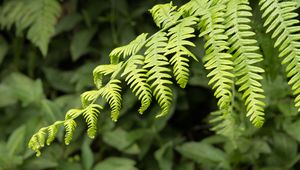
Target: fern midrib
x=245 y=61
x=216 y=51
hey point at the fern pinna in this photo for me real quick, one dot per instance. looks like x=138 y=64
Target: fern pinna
x=149 y=64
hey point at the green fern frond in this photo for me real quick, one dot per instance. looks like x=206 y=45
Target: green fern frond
x=128 y=50
x=224 y=124
x=196 y=7
x=104 y=70
x=91 y=117
x=136 y=78
x=244 y=49
x=281 y=19
x=165 y=15
x=70 y=125
x=52 y=131
x=177 y=46
x=89 y=97
x=34 y=144
x=73 y=113
x=111 y=92
x=158 y=72
x=40 y=16
x=216 y=60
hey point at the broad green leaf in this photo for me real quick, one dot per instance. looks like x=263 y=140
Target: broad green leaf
x=164 y=156
x=87 y=154
x=115 y=163
x=120 y=140
x=80 y=42
x=293 y=129
x=7 y=96
x=24 y=88
x=16 y=141
x=204 y=153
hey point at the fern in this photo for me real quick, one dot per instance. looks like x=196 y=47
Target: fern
x=39 y=16
x=149 y=63
x=111 y=92
x=158 y=72
x=91 y=116
x=136 y=77
x=280 y=18
x=243 y=47
x=216 y=59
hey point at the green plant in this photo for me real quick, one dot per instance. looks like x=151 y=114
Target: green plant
x=147 y=64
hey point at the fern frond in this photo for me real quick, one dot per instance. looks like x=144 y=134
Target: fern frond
x=158 y=72
x=91 y=117
x=244 y=49
x=128 y=50
x=111 y=92
x=136 y=78
x=34 y=144
x=73 y=113
x=104 y=70
x=89 y=97
x=224 y=124
x=40 y=16
x=196 y=7
x=52 y=131
x=165 y=15
x=216 y=60
x=281 y=18
x=177 y=46
x=70 y=125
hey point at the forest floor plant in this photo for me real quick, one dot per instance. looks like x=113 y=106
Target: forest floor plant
x=149 y=63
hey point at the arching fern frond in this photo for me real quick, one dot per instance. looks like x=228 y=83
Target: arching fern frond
x=104 y=70
x=89 y=96
x=136 y=77
x=244 y=48
x=91 y=117
x=52 y=131
x=280 y=18
x=70 y=126
x=111 y=92
x=165 y=15
x=158 y=72
x=129 y=49
x=39 y=16
x=216 y=60
x=177 y=47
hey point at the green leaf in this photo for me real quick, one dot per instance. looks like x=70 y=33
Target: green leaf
x=164 y=156
x=115 y=163
x=293 y=129
x=7 y=96
x=24 y=88
x=87 y=154
x=203 y=153
x=16 y=141
x=67 y=23
x=80 y=42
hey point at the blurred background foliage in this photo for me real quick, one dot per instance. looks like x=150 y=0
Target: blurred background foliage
x=35 y=91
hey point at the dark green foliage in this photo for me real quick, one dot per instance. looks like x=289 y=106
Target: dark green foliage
x=211 y=48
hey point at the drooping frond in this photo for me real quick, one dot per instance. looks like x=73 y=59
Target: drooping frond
x=158 y=72
x=39 y=16
x=91 y=117
x=52 y=131
x=136 y=77
x=129 y=49
x=89 y=97
x=216 y=60
x=111 y=92
x=281 y=19
x=244 y=48
x=177 y=47
x=103 y=70
x=70 y=125
x=165 y=15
